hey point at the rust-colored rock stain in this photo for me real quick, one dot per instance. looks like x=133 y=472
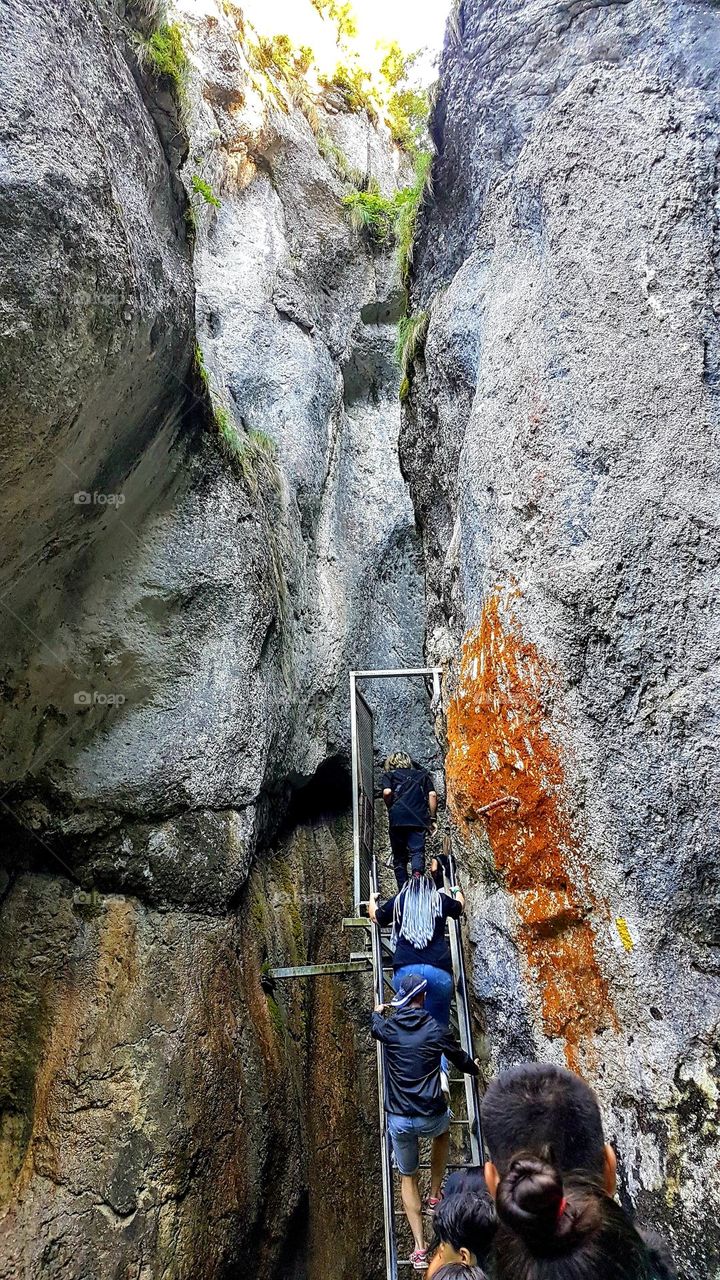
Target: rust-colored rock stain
x=500 y=749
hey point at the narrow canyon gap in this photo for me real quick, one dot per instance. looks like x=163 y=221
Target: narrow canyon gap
x=539 y=516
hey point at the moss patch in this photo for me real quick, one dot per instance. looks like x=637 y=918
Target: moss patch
x=410 y=343
x=164 y=54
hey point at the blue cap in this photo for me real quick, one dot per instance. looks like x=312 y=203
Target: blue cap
x=409 y=986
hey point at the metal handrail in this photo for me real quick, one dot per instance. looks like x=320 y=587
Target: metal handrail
x=462 y=1008
x=385 y=1145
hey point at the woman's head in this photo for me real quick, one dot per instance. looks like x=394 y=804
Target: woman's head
x=555 y=1230
x=417 y=908
x=398 y=760
x=537 y=1106
x=464 y=1226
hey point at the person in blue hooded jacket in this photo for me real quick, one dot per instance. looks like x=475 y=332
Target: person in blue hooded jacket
x=414 y=1101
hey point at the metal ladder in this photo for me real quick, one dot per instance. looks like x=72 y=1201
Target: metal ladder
x=461 y=1026
x=366 y=881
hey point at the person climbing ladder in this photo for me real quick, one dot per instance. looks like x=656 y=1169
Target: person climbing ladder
x=414 y=1045
x=411 y=799
x=418 y=915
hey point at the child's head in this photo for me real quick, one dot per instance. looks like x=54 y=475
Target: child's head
x=469 y=1180
x=555 y=1229
x=464 y=1227
x=538 y=1107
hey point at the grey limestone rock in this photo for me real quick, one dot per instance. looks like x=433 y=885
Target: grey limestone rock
x=569 y=384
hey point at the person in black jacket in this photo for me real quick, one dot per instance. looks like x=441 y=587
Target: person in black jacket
x=416 y=1108
x=535 y=1108
x=411 y=800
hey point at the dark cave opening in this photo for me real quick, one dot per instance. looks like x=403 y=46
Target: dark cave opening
x=326 y=795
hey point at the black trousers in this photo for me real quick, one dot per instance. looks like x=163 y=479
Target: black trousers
x=407 y=843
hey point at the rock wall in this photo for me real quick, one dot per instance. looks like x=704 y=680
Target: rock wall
x=561 y=442
x=178 y=626
x=179 y=630
x=163 y=1113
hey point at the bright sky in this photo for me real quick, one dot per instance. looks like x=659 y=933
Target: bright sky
x=414 y=24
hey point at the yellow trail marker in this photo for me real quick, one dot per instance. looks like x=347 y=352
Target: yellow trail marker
x=626 y=938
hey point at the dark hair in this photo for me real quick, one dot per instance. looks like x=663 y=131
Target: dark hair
x=456 y=1271
x=563 y=1231
x=538 y=1106
x=469 y=1180
x=466 y=1221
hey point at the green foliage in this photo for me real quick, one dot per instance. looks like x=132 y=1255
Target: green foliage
x=163 y=52
x=203 y=188
x=333 y=155
x=373 y=213
x=251 y=452
x=277 y=54
x=396 y=65
x=341 y=14
x=230 y=438
x=354 y=86
x=201 y=371
x=276 y=1018
x=304 y=59
x=407 y=117
x=407 y=105
x=277 y=57
x=408 y=203
x=411 y=335
x=383 y=218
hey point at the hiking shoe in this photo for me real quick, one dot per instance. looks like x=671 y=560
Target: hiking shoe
x=419 y=1259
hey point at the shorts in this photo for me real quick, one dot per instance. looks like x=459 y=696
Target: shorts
x=406 y=1131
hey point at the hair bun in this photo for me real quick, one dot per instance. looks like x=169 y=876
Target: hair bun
x=530 y=1198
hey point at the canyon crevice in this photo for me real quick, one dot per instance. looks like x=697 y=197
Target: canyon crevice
x=539 y=517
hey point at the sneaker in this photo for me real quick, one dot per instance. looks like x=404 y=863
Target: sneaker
x=419 y=1259
x=430 y=1203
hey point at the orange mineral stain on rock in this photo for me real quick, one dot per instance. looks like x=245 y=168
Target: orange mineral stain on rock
x=500 y=749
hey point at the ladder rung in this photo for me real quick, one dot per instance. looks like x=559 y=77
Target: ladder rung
x=465 y=1165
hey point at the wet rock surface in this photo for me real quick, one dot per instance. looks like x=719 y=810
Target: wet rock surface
x=168 y=1112
x=561 y=443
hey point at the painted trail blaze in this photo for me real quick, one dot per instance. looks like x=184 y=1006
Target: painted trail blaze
x=500 y=746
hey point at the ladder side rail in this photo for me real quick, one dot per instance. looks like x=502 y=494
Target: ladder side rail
x=462 y=1005
x=391 y=1262
x=355 y=792
x=465 y=1029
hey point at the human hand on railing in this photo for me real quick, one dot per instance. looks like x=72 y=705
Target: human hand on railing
x=380 y=1008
